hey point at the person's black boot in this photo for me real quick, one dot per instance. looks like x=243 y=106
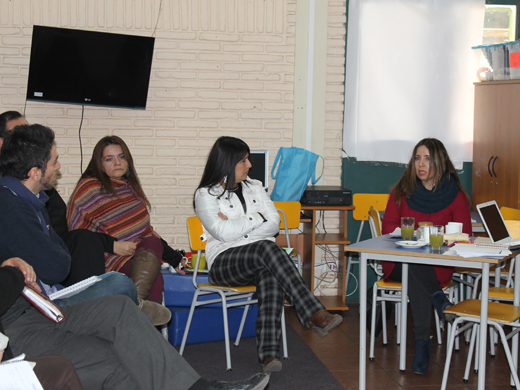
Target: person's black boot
x=440 y=303
x=421 y=358
x=256 y=382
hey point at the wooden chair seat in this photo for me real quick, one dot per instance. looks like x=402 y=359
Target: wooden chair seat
x=498 y=312
x=390 y=285
x=502 y=293
x=240 y=289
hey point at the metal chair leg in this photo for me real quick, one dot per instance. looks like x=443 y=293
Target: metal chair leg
x=242 y=323
x=164 y=328
x=474 y=333
x=284 y=335
x=188 y=323
x=226 y=332
x=373 y=324
x=449 y=353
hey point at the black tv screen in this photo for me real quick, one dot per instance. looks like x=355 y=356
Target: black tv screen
x=88 y=67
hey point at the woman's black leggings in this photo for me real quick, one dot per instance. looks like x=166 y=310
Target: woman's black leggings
x=422 y=284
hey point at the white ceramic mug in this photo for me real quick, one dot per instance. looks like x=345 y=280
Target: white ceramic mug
x=453 y=227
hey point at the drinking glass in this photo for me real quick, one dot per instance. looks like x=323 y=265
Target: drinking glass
x=436 y=237
x=407 y=227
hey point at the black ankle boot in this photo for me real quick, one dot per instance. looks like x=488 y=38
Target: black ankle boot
x=421 y=358
x=440 y=302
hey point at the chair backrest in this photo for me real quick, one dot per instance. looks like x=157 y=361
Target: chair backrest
x=362 y=202
x=375 y=219
x=292 y=211
x=509 y=213
x=194 y=233
x=513 y=227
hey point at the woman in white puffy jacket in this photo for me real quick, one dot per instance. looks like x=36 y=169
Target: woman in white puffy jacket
x=240 y=222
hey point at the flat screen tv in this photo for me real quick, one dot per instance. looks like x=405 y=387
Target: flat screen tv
x=89 y=67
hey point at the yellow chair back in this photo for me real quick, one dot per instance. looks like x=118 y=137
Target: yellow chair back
x=509 y=213
x=195 y=233
x=362 y=202
x=513 y=227
x=377 y=219
x=292 y=212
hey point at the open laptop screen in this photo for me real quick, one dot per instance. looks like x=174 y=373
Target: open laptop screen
x=494 y=222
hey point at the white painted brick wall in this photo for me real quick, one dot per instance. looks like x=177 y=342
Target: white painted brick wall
x=220 y=67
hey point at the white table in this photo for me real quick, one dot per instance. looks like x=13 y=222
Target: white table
x=384 y=249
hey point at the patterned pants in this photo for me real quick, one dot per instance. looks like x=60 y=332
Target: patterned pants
x=268 y=267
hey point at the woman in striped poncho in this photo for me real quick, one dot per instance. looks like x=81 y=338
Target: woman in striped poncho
x=109 y=199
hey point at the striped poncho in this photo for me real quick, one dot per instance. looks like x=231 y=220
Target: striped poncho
x=124 y=217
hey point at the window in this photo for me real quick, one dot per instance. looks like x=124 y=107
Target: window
x=499 y=24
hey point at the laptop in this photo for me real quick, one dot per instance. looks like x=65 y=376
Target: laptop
x=495 y=225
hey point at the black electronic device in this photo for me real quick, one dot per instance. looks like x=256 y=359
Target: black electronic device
x=259 y=170
x=327 y=195
x=89 y=67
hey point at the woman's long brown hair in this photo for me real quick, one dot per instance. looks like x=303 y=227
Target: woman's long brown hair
x=440 y=164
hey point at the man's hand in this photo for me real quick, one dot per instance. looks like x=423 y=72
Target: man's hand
x=124 y=248
x=27 y=270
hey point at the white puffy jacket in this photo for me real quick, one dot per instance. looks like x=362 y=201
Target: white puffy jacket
x=240 y=228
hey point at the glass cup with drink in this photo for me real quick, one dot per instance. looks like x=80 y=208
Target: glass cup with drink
x=407 y=227
x=436 y=237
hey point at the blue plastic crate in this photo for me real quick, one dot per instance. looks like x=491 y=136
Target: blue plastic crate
x=179 y=290
x=207 y=324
